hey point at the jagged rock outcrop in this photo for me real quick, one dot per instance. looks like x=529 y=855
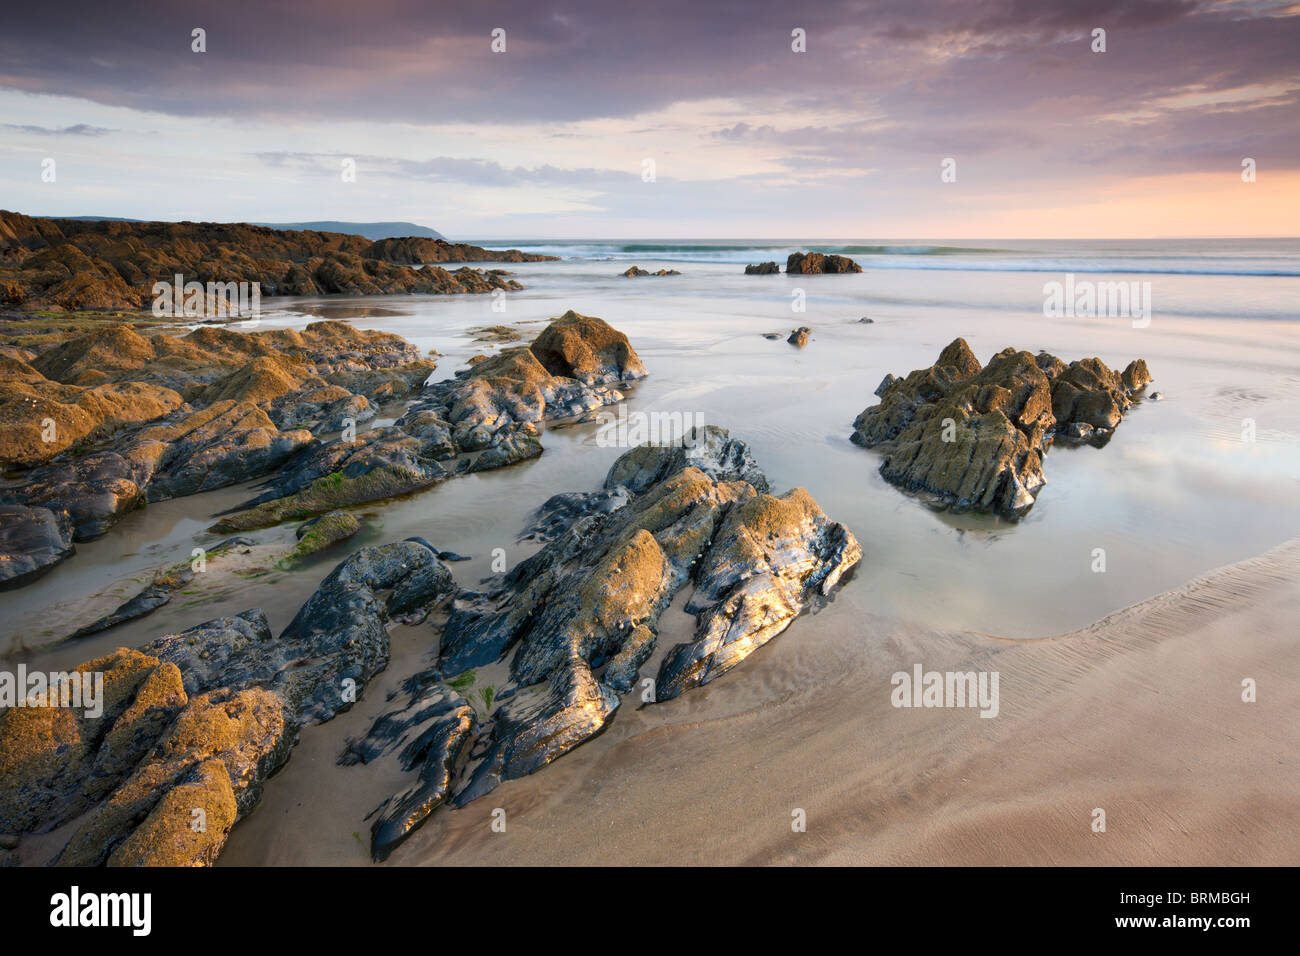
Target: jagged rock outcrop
x=812 y=263
x=191 y=725
x=799 y=336
x=83 y=265
x=762 y=269
x=579 y=619
x=972 y=438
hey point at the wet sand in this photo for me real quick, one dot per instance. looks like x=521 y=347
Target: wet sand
x=1139 y=714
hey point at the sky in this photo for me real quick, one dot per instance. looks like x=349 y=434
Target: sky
x=554 y=136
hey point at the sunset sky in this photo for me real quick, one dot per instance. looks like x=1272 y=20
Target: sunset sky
x=748 y=138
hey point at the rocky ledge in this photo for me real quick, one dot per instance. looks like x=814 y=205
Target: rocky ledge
x=73 y=265
x=103 y=423
x=972 y=438
x=100 y=424
x=488 y=416
x=191 y=725
x=580 y=618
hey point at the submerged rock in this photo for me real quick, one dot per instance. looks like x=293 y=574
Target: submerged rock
x=762 y=269
x=580 y=617
x=972 y=438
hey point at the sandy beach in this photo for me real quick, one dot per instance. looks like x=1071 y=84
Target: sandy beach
x=1140 y=714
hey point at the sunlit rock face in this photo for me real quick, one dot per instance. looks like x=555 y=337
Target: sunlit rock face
x=578 y=620
x=972 y=438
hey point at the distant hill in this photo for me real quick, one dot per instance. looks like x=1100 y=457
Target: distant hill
x=370 y=230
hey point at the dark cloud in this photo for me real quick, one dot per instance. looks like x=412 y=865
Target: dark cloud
x=1010 y=88
x=409 y=59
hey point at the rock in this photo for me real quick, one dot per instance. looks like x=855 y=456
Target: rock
x=636 y=272
x=418 y=250
x=80 y=265
x=518 y=444
x=799 y=336
x=587 y=349
x=428 y=733
x=158 y=593
x=1156 y=396
x=972 y=438
x=32 y=540
x=812 y=263
x=762 y=269
x=337 y=636
x=384 y=463
x=244 y=395
x=215 y=758
x=57 y=761
x=579 y=618
x=865 y=321
x=769 y=560
x=710 y=449
x=200 y=719
x=40 y=418
x=317 y=534
x=772 y=336
x=247 y=393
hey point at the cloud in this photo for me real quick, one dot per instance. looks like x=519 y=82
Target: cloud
x=713 y=92
x=77 y=129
